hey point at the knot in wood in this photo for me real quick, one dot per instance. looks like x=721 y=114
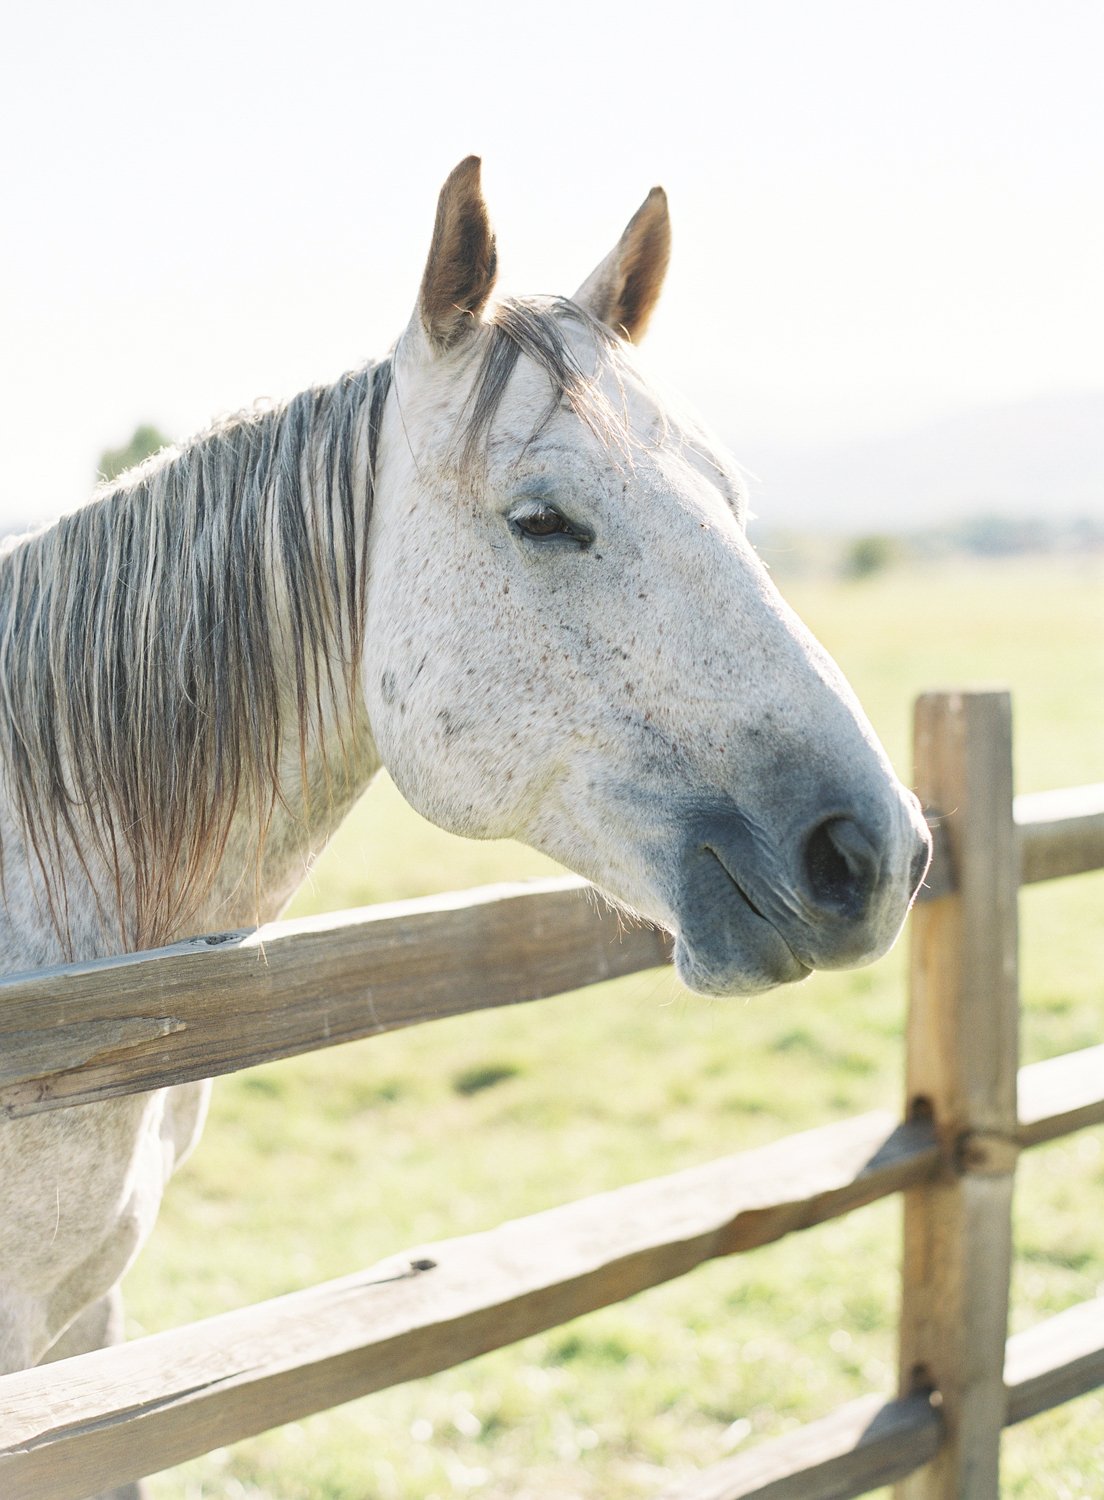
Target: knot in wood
x=980 y=1153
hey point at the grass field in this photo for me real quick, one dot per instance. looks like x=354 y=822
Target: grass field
x=320 y=1165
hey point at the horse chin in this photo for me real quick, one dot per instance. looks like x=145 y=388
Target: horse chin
x=722 y=963
x=725 y=943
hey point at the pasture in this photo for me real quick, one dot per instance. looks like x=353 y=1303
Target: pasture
x=320 y=1165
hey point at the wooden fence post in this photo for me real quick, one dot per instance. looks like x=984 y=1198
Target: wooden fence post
x=963 y=1053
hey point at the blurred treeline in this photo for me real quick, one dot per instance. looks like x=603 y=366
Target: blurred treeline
x=793 y=553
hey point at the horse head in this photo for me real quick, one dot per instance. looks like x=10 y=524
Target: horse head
x=570 y=640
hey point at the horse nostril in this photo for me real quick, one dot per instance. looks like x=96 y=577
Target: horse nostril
x=841 y=867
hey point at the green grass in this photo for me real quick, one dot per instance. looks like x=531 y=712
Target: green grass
x=320 y=1165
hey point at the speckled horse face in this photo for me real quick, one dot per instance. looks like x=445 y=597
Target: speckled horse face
x=572 y=643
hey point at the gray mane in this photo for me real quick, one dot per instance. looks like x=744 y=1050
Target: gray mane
x=154 y=643
x=533 y=327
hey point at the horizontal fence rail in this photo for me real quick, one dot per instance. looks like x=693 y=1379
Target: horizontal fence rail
x=1060 y=833
x=871 y=1441
x=212 y=1005
x=157 y=1401
x=104 y=1418
x=1055 y=1361
x=867 y=1443
x=1061 y=1095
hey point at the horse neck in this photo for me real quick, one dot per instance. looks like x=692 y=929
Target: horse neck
x=183 y=727
x=57 y=904
x=259 y=872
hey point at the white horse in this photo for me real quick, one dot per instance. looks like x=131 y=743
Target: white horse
x=495 y=563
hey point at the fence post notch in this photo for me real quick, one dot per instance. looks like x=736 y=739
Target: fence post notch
x=963 y=1055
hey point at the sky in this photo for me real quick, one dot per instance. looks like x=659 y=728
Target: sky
x=885 y=214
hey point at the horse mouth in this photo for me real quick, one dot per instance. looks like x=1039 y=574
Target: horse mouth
x=740 y=889
x=745 y=896
x=726 y=943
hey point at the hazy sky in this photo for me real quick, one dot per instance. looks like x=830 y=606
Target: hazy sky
x=883 y=211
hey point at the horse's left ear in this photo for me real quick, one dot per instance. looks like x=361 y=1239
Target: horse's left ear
x=622 y=292
x=460 y=271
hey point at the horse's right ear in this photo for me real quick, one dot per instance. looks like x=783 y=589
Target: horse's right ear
x=460 y=271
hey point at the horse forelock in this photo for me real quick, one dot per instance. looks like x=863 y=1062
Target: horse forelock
x=537 y=329
x=153 y=642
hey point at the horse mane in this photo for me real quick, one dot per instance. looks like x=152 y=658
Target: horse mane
x=534 y=327
x=154 y=642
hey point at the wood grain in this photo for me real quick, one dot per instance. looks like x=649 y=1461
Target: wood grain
x=214 y=1004
x=962 y=1041
x=104 y=1418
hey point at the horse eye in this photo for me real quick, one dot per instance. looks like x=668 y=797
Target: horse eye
x=546 y=521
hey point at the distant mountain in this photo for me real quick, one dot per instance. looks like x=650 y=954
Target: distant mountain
x=1042 y=457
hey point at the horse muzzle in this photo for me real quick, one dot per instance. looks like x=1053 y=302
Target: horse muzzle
x=752 y=912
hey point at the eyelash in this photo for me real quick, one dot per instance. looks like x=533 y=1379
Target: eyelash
x=545 y=522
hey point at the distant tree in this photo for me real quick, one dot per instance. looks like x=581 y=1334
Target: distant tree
x=867 y=555
x=147 y=439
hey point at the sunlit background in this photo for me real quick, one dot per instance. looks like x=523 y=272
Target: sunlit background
x=885 y=293
x=885 y=290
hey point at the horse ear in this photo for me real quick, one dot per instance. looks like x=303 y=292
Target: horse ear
x=622 y=292
x=460 y=270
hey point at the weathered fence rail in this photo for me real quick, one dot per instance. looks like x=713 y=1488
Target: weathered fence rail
x=227 y=1001
x=213 y=1005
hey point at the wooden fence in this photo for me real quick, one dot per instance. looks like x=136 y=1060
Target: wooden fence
x=74 y=1035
